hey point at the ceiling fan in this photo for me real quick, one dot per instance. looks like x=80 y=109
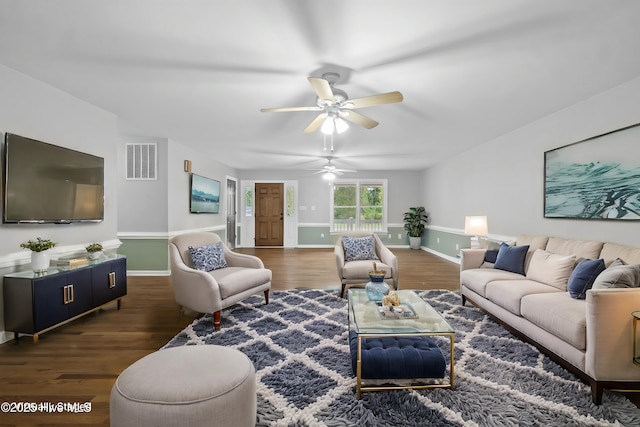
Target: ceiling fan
x=330 y=171
x=336 y=108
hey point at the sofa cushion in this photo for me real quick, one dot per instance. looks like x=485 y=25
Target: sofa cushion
x=234 y=280
x=360 y=269
x=582 y=277
x=551 y=269
x=358 y=248
x=491 y=255
x=582 y=249
x=508 y=293
x=611 y=251
x=511 y=258
x=476 y=279
x=558 y=314
x=208 y=257
x=622 y=276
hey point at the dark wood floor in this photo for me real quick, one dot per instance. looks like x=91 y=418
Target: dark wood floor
x=80 y=361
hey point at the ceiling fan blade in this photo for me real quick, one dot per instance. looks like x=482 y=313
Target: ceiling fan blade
x=359 y=119
x=316 y=123
x=288 y=109
x=346 y=170
x=370 y=101
x=322 y=89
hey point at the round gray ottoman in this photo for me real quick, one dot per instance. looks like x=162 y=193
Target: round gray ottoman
x=197 y=385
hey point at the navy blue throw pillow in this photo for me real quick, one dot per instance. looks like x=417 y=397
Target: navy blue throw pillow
x=583 y=276
x=491 y=255
x=511 y=258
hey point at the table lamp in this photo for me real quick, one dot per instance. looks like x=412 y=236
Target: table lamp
x=475 y=226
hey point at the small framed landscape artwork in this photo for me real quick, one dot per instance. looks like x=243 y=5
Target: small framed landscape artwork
x=205 y=195
x=597 y=178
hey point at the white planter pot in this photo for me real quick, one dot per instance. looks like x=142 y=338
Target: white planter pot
x=40 y=261
x=415 y=242
x=95 y=255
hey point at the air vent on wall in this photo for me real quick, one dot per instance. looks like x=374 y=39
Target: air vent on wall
x=142 y=161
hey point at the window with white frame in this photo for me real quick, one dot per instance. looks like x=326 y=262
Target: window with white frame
x=359 y=205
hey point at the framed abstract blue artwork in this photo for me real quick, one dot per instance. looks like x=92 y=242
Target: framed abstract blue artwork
x=597 y=178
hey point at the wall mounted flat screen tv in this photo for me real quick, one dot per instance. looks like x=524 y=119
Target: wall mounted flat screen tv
x=205 y=195
x=45 y=183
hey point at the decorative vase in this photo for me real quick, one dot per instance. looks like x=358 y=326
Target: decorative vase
x=376 y=288
x=40 y=262
x=95 y=255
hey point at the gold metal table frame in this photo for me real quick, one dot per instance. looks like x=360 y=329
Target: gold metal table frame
x=366 y=322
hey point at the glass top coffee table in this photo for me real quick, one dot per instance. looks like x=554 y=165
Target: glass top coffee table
x=414 y=318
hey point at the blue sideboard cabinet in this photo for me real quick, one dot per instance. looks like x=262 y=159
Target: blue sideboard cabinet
x=34 y=304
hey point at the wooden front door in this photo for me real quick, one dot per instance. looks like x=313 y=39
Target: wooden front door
x=269 y=214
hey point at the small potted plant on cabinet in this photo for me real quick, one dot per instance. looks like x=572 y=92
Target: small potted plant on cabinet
x=94 y=250
x=39 y=253
x=414 y=222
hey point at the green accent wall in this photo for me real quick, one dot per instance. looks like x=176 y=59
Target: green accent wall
x=447 y=243
x=146 y=254
x=321 y=235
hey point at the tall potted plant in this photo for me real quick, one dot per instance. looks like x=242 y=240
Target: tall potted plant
x=414 y=222
x=39 y=253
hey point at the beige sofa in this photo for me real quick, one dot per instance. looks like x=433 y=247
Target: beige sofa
x=592 y=337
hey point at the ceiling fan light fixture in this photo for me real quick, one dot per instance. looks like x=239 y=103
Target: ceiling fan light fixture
x=329 y=176
x=340 y=125
x=328 y=127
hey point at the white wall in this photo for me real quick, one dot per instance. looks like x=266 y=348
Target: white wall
x=31 y=108
x=404 y=191
x=142 y=206
x=504 y=178
x=179 y=218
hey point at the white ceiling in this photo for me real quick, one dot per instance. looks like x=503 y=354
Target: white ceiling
x=198 y=72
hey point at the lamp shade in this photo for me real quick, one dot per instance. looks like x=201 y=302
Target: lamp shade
x=476 y=225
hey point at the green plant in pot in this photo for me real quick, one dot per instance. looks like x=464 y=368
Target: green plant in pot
x=94 y=250
x=39 y=253
x=414 y=223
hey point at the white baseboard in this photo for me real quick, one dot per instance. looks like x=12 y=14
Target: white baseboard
x=148 y=272
x=6 y=336
x=441 y=255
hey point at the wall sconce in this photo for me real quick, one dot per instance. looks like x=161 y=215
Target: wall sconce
x=187 y=165
x=476 y=226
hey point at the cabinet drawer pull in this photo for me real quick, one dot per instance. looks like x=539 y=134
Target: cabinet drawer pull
x=65 y=295
x=112 y=279
x=71 y=294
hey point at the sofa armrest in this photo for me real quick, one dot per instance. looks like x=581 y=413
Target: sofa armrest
x=389 y=258
x=235 y=259
x=471 y=258
x=193 y=288
x=339 y=253
x=609 y=355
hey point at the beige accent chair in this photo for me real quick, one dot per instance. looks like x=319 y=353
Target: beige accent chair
x=356 y=273
x=210 y=292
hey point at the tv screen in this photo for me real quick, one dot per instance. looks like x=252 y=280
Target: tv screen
x=205 y=195
x=45 y=183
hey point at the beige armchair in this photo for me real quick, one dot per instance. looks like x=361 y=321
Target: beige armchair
x=356 y=272
x=210 y=292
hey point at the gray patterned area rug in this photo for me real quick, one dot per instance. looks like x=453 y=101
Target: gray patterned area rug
x=298 y=345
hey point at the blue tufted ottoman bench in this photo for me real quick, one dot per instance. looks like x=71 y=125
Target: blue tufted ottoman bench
x=397 y=357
